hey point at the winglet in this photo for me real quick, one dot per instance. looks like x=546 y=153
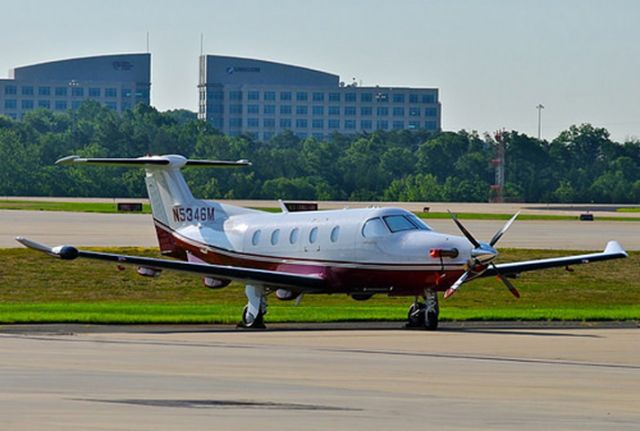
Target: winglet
x=65 y=252
x=614 y=247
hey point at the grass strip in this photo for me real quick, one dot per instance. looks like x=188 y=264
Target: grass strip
x=87 y=207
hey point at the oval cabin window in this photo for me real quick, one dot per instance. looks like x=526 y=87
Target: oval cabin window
x=275 y=235
x=293 y=236
x=313 y=235
x=335 y=232
x=256 y=237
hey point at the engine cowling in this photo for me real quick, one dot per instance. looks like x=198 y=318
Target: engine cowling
x=361 y=296
x=215 y=283
x=286 y=295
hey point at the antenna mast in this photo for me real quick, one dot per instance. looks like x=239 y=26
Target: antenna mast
x=497 y=189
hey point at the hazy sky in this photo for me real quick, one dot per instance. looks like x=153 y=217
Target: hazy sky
x=492 y=60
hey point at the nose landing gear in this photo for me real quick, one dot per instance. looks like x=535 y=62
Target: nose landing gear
x=424 y=315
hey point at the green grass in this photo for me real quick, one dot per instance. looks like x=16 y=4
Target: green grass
x=37 y=288
x=91 y=207
x=628 y=210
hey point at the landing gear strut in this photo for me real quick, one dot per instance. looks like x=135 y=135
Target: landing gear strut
x=256 y=308
x=424 y=315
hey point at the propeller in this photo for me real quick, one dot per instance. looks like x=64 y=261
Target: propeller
x=482 y=256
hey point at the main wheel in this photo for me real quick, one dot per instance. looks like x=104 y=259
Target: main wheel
x=416 y=315
x=256 y=323
x=431 y=321
x=432 y=311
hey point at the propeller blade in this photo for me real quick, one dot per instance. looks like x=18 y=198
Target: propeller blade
x=466 y=233
x=502 y=231
x=454 y=287
x=506 y=282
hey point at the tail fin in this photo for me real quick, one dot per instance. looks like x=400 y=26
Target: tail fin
x=172 y=203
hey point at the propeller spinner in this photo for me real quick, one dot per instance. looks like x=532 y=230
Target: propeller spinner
x=482 y=256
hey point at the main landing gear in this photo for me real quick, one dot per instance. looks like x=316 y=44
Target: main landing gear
x=424 y=315
x=256 y=308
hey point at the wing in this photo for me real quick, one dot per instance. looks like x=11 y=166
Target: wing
x=613 y=250
x=296 y=282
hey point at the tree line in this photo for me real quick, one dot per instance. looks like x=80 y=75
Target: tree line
x=582 y=164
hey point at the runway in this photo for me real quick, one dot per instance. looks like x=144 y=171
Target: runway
x=370 y=379
x=136 y=230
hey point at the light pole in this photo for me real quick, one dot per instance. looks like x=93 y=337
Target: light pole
x=73 y=84
x=540 y=107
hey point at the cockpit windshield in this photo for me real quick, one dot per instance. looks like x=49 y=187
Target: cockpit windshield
x=399 y=223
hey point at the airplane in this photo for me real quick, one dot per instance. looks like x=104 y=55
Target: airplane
x=358 y=252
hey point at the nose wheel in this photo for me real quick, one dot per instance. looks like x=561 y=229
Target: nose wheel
x=424 y=314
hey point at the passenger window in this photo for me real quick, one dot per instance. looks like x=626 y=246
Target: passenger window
x=374 y=228
x=274 y=236
x=313 y=235
x=293 y=236
x=256 y=237
x=335 y=232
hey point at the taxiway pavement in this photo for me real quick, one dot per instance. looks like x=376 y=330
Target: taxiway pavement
x=136 y=230
x=457 y=378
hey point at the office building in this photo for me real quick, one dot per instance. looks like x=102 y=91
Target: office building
x=117 y=81
x=263 y=98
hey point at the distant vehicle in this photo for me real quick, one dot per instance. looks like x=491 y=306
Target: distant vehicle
x=358 y=252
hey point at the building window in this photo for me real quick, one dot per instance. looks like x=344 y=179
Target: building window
x=235 y=122
x=414 y=124
x=110 y=105
x=397 y=124
x=234 y=95
x=366 y=97
x=334 y=110
x=27 y=90
x=211 y=95
x=350 y=110
x=61 y=91
x=301 y=110
x=285 y=109
x=398 y=112
x=215 y=108
x=60 y=105
x=366 y=111
x=428 y=98
x=44 y=91
x=253 y=95
x=350 y=124
x=365 y=124
x=301 y=135
x=76 y=105
x=235 y=109
x=301 y=123
x=285 y=95
x=317 y=135
x=350 y=97
x=269 y=122
x=269 y=95
x=318 y=97
x=94 y=92
x=44 y=104
x=79 y=91
x=334 y=124
x=382 y=124
x=285 y=123
x=414 y=112
x=269 y=109
x=430 y=125
x=10 y=104
x=318 y=110
x=267 y=135
x=382 y=97
x=253 y=109
x=301 y=96
x=108 y=92
x=10 y=89
x=334 y=97
x=431 y=112
x=252 y=123
x=215 y=122
x=317 y=124
x=398 y=98
x=413 y=98
x=382 y=111
x=26 y=104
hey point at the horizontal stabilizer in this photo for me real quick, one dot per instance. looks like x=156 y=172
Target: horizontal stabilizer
x=172 y=160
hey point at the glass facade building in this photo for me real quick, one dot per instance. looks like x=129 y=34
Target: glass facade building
x=117 y=81
x=263 y=98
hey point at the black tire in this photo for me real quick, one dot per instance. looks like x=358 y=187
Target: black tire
x=431 y=321
x=258 y=322
x=416 y=315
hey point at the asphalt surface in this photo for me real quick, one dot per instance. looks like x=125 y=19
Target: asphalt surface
x=371 y=378
x=90 y=229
